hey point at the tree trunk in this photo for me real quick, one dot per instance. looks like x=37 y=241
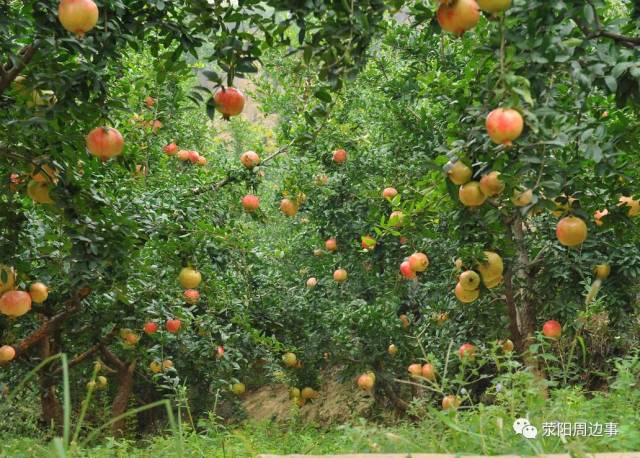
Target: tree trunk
x=51 y=408
x=121 y=401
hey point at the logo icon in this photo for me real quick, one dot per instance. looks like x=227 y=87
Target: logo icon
x=525 y=428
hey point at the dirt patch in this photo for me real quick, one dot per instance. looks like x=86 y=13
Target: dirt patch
x=338 y=402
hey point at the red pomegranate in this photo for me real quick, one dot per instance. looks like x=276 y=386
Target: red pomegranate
x=250 y=159
x=339 y=156
x=105 y=143
x=150 y=327
x=459 y=16
x=504 y=125
x=170 y=149
x=78 y=16
x=250 y=203
x=202 y=161
x=406 y=271
x=194 y=157
x=15 y=303
x=467 y=350
x=191 y=296
x=288 y=207
x=229 y=101
x=173 y=325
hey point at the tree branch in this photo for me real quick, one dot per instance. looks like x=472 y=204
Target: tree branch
x=10 y=72
x=54 y=323
x=91 y=351
x=629 y=42
x=112 y=358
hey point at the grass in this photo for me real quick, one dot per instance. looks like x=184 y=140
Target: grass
x=482 y=430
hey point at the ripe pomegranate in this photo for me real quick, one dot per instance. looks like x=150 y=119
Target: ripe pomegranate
x=418 y=262
x=149 y=101
x=131 y=338
x=458 y=16
x=415 y=370
x=220 y=352
x=491 y=185
x=467 y=351
x=340 y=275
x=78 y=16
x=105 y=142
x=598 y=215
x=238 y=389
x=460 y=173
x=14 y=182
x=184 y=155
x=507 y=345
x=365 y=382
x=389 y=193
x=634 y=205
x=571 y=231
x=392 y=350
x=522 y=198
x=469 y=280
x=602 y=271
x=450 y=402
x=191 y=296
x=229 y=101
x=492 y=282
x=170 y=149
x=492 y=268
x=312 y=282
x=155 y=367
x=288 y=207
x=173 y=325
x=202 y=161
x=45 y=174
x=189 y=278
x=404 y=319
x=250 y=203
x=466 y=296
x=7 y=353
x=429 y=372
x=494 y=6
x=504 y=125
x=396 y=219
x=15 y=303
x=406 y=271
x=339 y=156
x=331 y=245
x=368 y=242
x=250 y=159
x=39 y=192
x=39 y=292
x=552 y=329
x=289 y=359
x=308 y=393
x=167 y=364
x=150 y=327
x=471 y=195
x=194 y=157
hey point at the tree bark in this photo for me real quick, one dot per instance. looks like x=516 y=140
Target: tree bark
x=51 y=407
x=121 y=401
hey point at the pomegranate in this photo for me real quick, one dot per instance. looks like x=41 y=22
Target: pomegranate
x=389 y=193
x=507 y=345
x=415 y=370
x=155 y=367
x=392 y=350
x=173 y=325
x=220 y=352
x=459 y=16
x=331 y=245
x=522 y=198
x=189 y=278
x=339 y=156
x=170 y=149
x=194 y=157
x=365 y=382
x=149 y=101
x=406 y=271
x=78 y=16
x=45 y=174
x=469 y=280
x=105 y=142
x=404 y=319
x=288 y=207
x=250 y=159
x=202 y=161
x=471 y=195
x=602 y=271
x=396 y=219
x=466 y=296
x=14 y=182
x=39 y=192
x=191 y=296
x=289 y=359
x=150 y=327
x=634 y=205
x=418 y=262
x=492 y=268
x=15 y=303
x=229 y=101
x=504 y=125
x=491 y=185
x=7 y=353
x=571 y=231
x=184 y=155
x=450 y=402
x=429 y=372
x=238 y=389
x=312 y=282
x=460 y=173
x=494 y=6
x=250 y=203
x=552 y=329
x=368 y=242
x=598 y=215
x=467 y=351
x=167 y=364
x=340 y=275
x=39 y=292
